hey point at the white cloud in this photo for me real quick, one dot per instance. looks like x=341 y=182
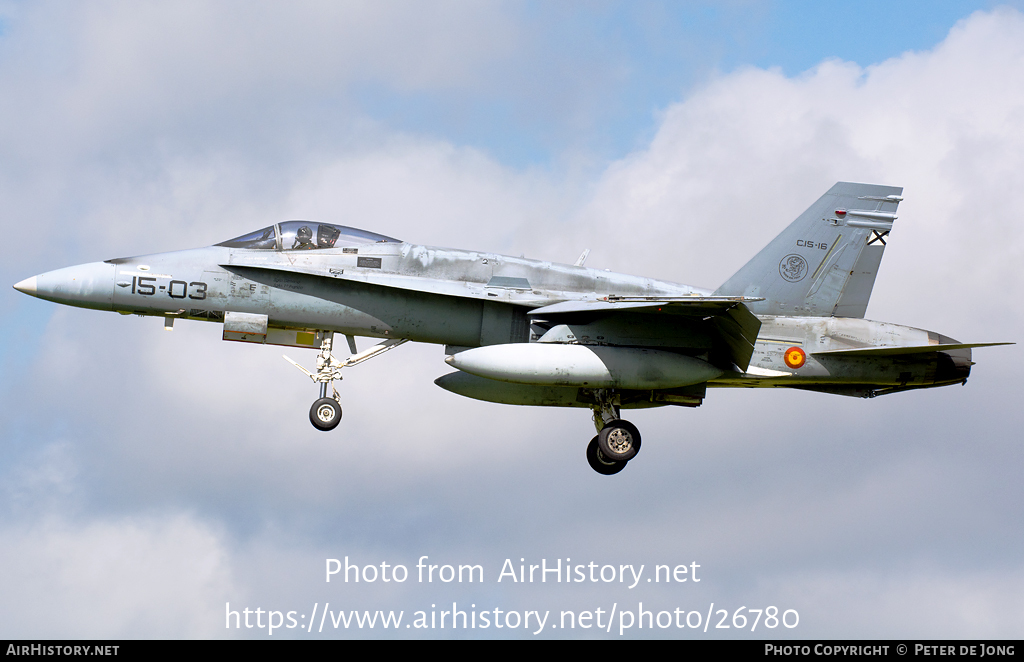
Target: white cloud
x=119 y=66
x=151 y=576
x=933 y=603
x=732 y=164
x=156 y=422
x=429 y=192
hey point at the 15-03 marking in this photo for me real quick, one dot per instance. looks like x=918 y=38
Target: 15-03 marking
x=145 y=285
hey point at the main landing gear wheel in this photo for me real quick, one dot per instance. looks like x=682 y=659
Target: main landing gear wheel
x=325 y=414
x=619 y=441
x=600 y=463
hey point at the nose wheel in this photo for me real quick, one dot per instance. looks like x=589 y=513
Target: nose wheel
x=325 y=414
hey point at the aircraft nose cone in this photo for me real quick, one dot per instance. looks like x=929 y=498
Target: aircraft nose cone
x=28 y=286
x=85 y=285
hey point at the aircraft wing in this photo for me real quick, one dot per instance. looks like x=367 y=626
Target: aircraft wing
x=900 y=351
x=731 y=327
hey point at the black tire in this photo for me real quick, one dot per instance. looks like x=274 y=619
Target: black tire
x=325 y=414
x=601 y=464
x=619 y=441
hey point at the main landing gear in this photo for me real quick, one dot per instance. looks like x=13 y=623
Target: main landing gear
x=325 y=414
x=617 y=441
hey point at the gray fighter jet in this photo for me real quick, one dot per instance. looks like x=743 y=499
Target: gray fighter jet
x=528 y=332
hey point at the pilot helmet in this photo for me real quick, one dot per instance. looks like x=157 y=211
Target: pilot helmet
x=304 y=234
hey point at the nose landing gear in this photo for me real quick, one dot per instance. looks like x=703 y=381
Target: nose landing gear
x=617 y=441
x=325 y=414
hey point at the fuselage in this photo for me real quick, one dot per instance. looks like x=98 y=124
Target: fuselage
x=457 y=298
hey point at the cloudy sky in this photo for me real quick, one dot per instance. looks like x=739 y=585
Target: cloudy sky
x=148 y=478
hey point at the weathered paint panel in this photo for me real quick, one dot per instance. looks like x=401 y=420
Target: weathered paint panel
x=814 y=334
x=854 y=301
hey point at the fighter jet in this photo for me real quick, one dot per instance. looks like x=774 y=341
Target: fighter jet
x=528 y=332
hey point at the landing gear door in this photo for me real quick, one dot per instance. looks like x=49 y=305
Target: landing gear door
x=245 y=327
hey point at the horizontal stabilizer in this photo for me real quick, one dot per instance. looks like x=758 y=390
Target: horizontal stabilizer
x=898 y=351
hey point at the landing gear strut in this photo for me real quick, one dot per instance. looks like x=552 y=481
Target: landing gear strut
x=617 y=441
x=325 y=414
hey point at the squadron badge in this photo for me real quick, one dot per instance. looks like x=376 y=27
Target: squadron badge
x=793 y=267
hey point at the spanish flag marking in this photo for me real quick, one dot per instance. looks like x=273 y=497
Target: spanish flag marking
x=795 y=357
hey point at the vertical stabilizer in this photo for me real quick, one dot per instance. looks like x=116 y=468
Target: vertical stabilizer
x=825 y=262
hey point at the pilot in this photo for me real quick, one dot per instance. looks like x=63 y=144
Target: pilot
x=304 y=239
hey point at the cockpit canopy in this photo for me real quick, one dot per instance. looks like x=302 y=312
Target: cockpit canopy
x=305 y=235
